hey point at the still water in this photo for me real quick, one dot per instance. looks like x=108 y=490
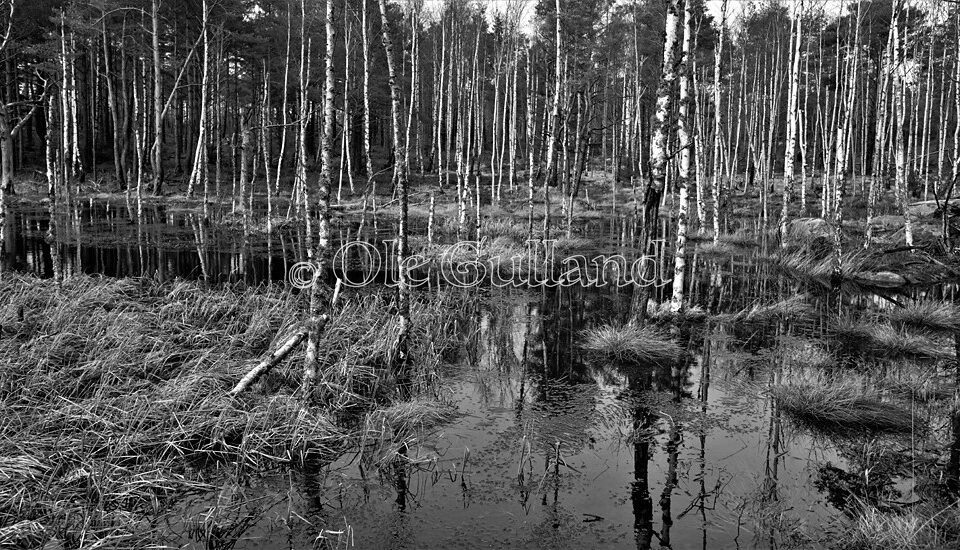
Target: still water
x=549 y=448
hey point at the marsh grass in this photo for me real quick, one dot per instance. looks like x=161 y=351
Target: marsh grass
x=388 y=431
x=805 y=354
x=883 y=340
x=928 y=316
x=794 y=308
x=719 y=248
x=920 y=387
x=113 y=395
x=922 y=528
x=806 y=263
x=499 y=252
x=839 y=406
x=740 y=238
x=630 y=344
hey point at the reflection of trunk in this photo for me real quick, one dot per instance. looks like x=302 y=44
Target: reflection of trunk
x=953 y=477
x=400 y=477
x=673 y=446
x=640 y=488
x=769 y=489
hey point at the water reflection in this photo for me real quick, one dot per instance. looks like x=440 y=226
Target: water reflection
x=553 y=449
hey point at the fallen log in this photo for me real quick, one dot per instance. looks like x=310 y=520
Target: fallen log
x=269 y=362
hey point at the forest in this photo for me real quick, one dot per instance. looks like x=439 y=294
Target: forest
x=468 y=273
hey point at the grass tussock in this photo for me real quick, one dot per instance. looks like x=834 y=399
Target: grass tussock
x=929 y=316
x=840 y=406
x=631 y=344
x=113 y=395
x=884 y=340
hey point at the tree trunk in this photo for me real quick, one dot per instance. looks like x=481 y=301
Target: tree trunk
x=686 y=143
x=403 y=285
x=792 y=116
x=659 y=153
x=319 y=299
x=551 y=177
x=717 y=119
x=157 y=106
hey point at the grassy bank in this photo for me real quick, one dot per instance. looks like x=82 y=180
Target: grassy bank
x=113 y=397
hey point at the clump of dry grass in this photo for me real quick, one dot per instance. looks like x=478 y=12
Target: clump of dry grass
x=883 y=340
x=114 y=394
x=631 y=344
x=841 y=405
x=931 y=316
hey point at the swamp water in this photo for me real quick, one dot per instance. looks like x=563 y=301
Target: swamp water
x=550 y=447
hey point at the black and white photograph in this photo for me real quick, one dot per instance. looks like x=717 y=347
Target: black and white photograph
x=479 y=274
